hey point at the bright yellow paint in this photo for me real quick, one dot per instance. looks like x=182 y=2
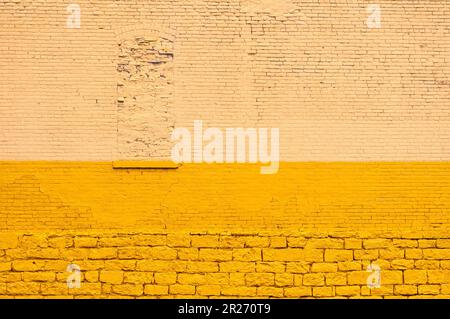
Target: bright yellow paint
x=319 y=196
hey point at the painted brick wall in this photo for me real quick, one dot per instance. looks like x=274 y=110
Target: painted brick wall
x=365 y=144
x=337 y=90
x=202 y=265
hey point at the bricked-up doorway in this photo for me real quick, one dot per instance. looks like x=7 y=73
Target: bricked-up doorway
x=145 y=95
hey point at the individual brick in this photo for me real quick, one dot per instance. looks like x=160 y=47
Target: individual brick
x=323 y=292
x=237 y=266
x=247 y=254
x=429 y=289
x=178 y=240
x=352 y=243
x=413 y=254
x=335 y=279
x=45 y=276
x=334 y=255
x=102 y=253
x=376 y=243
x=313 y=280
x=284 y=279
x=205 y=241
x=156 y=290
x=270 y=292
x=85 y=242
x=91 y=276
x=111 y=277
x=438 y=276
x=8 y=240
x=128 y=289
x=215 y=254
x=208 y=290
x=182 y=289
x=167 y=278
x=436 y=254
x=348 y=291
x=192 y=279
x=292 y=254
x=256 y=242
x=415 y=276
x=278 y=242
x=296 y=242
x=296 y=292
x=239 y=291
x=324 y=267
x=23 y=288
x=405 y=290
x=260 y=279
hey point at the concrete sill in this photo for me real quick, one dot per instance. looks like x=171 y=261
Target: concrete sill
x=144 y=165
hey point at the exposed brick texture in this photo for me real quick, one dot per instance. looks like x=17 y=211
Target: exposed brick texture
x=364 y=127
x=337 y=90
x=211 y=265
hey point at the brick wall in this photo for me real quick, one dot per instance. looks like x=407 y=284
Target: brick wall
x=364 y=142
x=201 y=265
x=337 y=90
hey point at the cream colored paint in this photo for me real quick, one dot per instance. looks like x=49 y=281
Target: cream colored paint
x=337 y=90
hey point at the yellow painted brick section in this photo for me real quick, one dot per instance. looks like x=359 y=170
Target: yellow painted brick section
x=332 y=255
x=215 y=254
x=296 y=292
x=234 y=271
x=165 y=278
x=415 y=276
x=247 y=254
x=364 y=145
x=156 y=290
x=111 y=277
x=8 y=241
x=324 y=267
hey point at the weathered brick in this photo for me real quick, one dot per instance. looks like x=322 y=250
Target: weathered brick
x=324 y=267
x=259 y=279
x=436 y=253
x=348 y=291
x=256 y=242
x=352 y=243
x=278 y=242
x=208 y=290
x=284 y=279
x=138 y=277
x=313 y=279
x=247 y=254
x=111 y=277
x=335 y=279
x=296 y=292
x=239 y=291
x=215 y=254
x=8 y=240
x=429 y=289
x=39 y=276
x=332 y=255
x=407 y=290
x=156 y=290
x=205 y=241
x=270 y=292
x=178 y=240
x=168 y=278
x=376 y=243
x=85 y=242
x=128 y=289
x=323 y=292
x=237 y=266
x=415 y=276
